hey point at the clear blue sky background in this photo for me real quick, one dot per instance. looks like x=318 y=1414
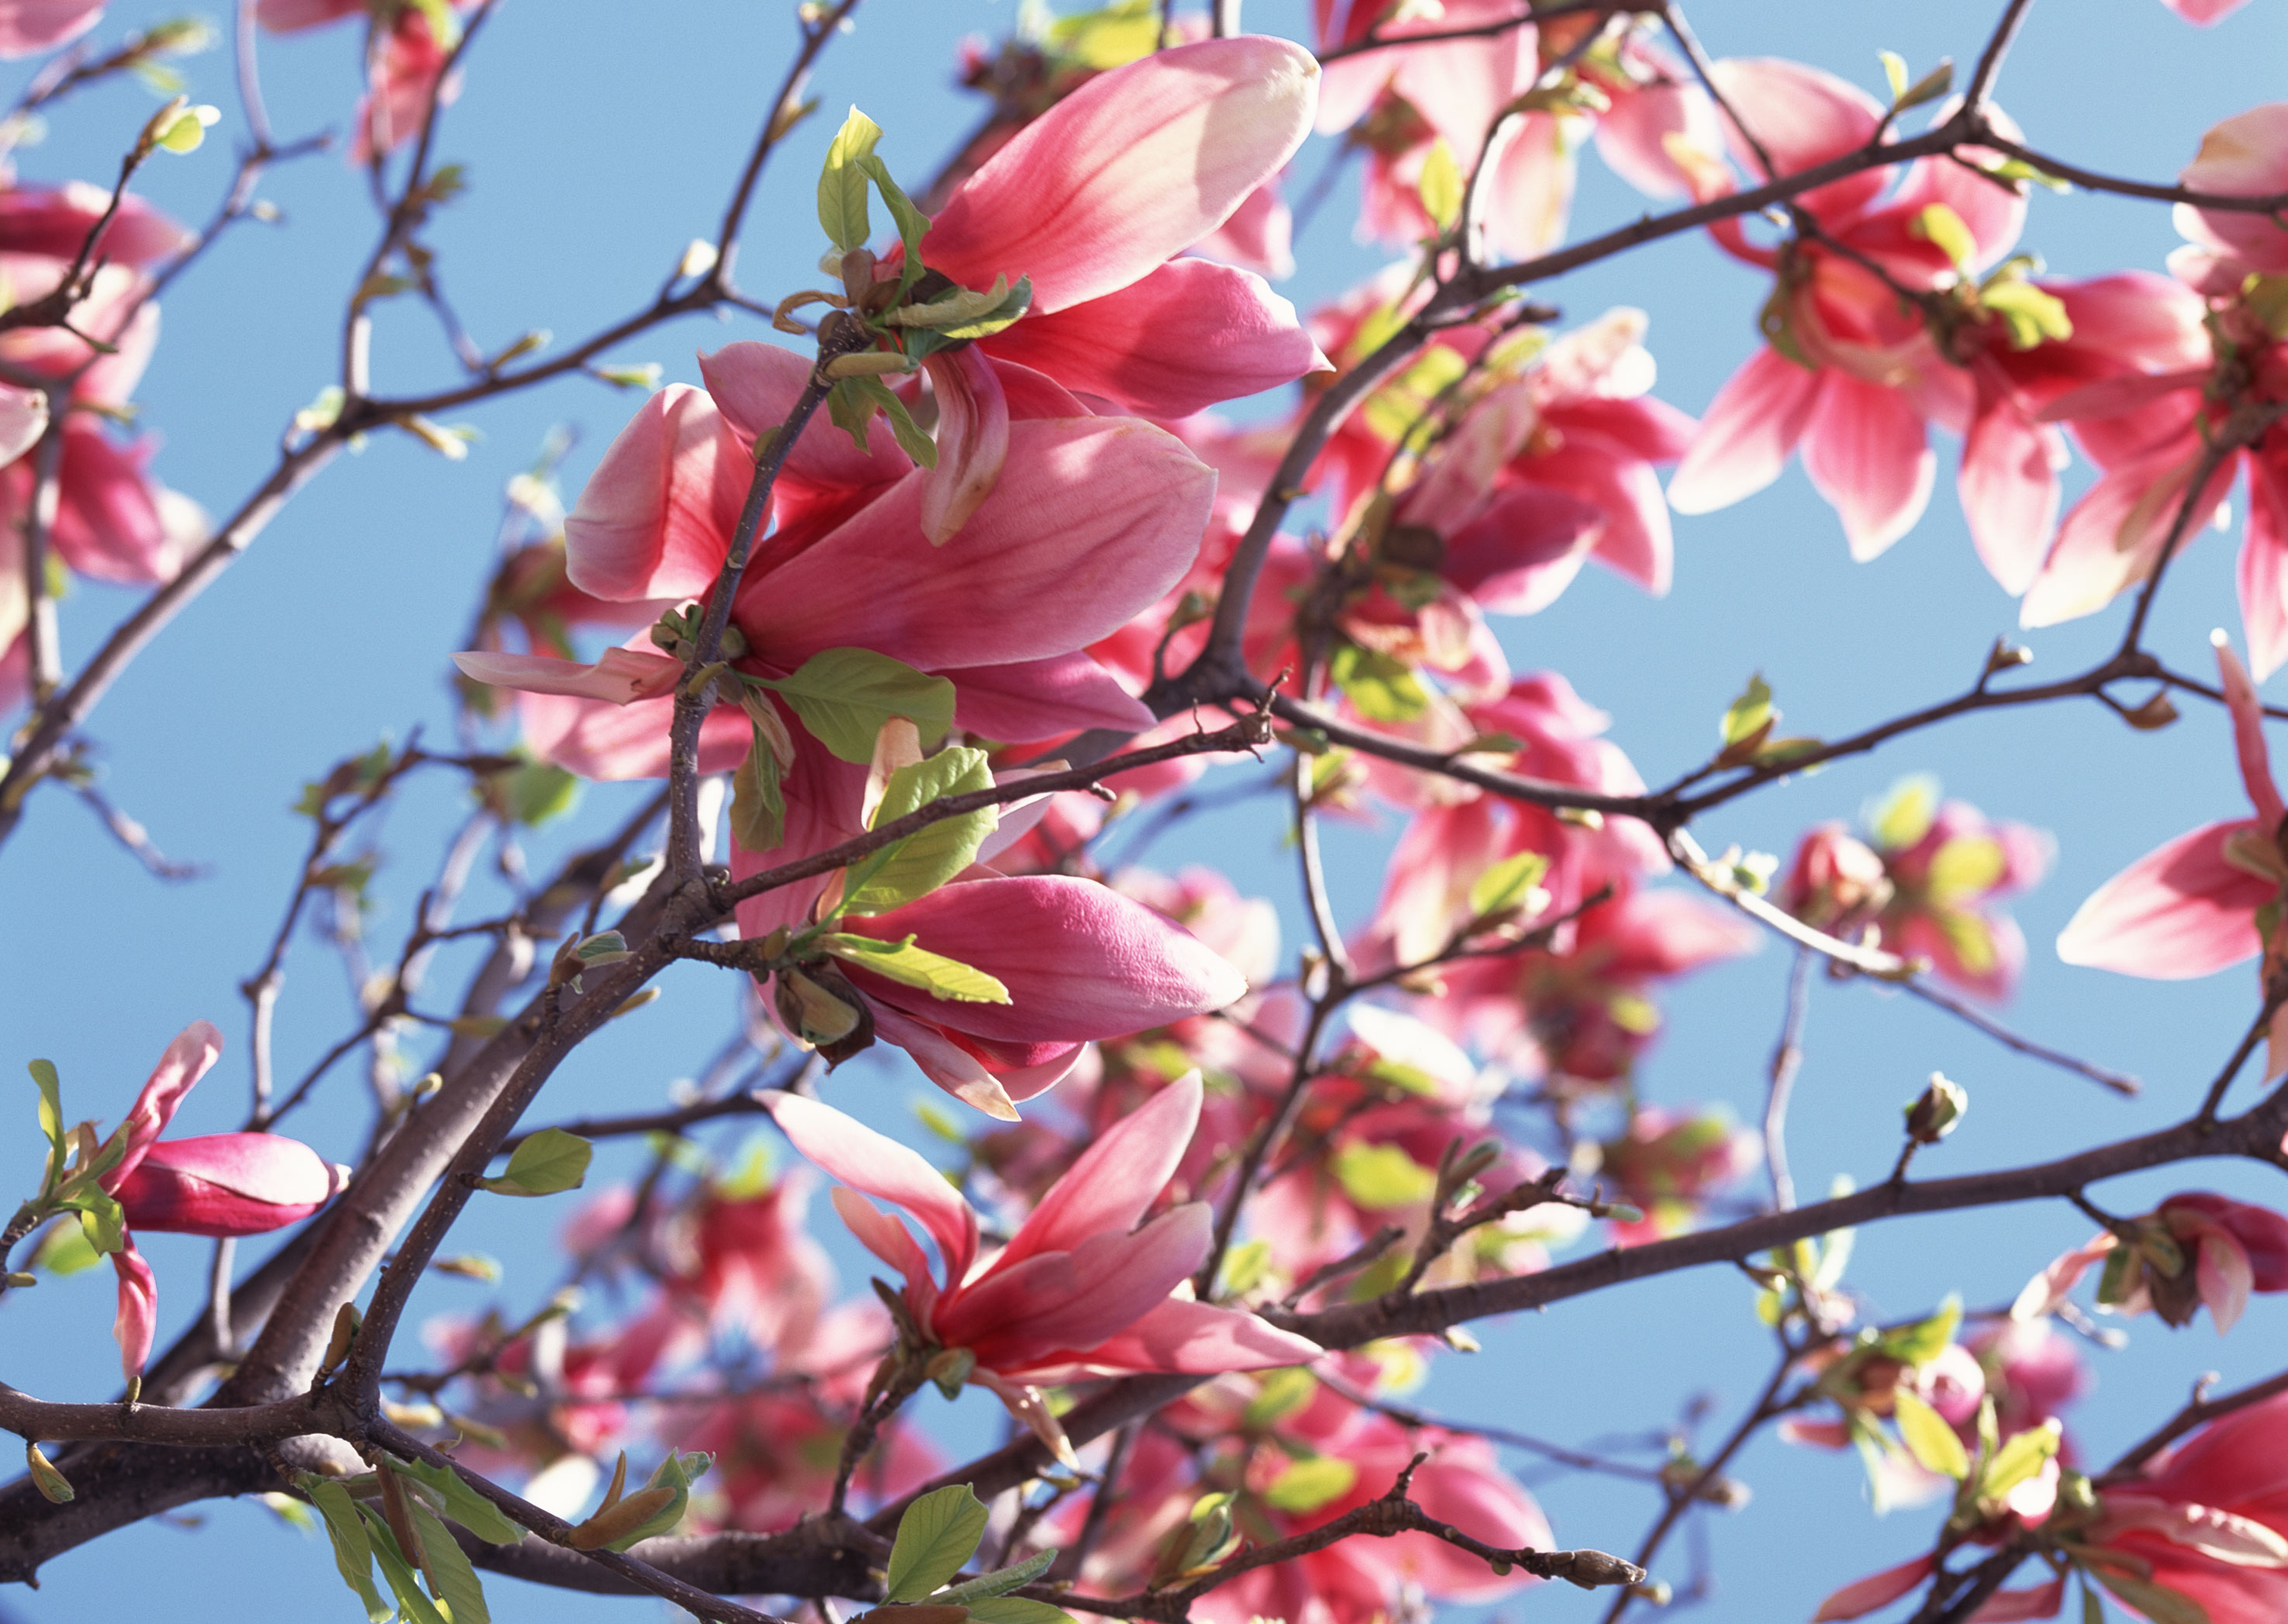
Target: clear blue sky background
x=601 y=139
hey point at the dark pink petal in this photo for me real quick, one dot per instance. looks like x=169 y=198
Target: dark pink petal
x=29 y=26
x=620 y=677
x=196 y=1049
x=1182 y=1335
x=232 y=1184
x=2262 y=1233
x=1020 y=1317
x=755 y=385
x=973 y=440
x=656 y=516
x=888 y=1240
x=959 y=1065
x=1117 y=1178
x=1746 y=434
x=1867 y=453
x=1258 y=237
x=2246 y=710
x=1636 y=539
x=2176 y=913
x=2263 y=582
x=56 y=220
x=1129 y=170
x=883 y=1168
x=2009 y=486
x=1044 y=699
x=1524 y=551
x=1876 y=1590
x=1648 y=428
x=1080 y=961
x=608 y=739
x=1190 y=334
x=1112 y=502
x=2009 y=1607
x=107 y=522
x=137 y=1321
x=285 y=16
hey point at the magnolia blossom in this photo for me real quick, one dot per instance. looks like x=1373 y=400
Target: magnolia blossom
x=405 y=66
x=1669 y=1161
x=2194 y=1248
x=230 y=1183
x=1079 y=1289
x=2208 y=898
x=28 y=27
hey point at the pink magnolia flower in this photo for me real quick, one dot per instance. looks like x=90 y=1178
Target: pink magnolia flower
x=2207 y=899
x=2203 y=12
x=1928 y=884
x=231 y=1183
x=1094 y=201
x=1080 y=1290
x=1864 y=1597
x=28 y=27
x=2194 y=1248
x=2207 y=1520
x=405 y=64
x=1855 y=374
x=2223 y=389
x=1668 y=1162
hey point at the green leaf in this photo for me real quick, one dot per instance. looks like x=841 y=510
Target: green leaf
x=1244 y=1267
x=901 y=962
x=1278 y=1394
x=852 y=402
x=1379 y=1177
x=757 y=809
x=1112 y=37
x=1751 y=713
x=966 y=312
x=1928 y=1438
x=1509 y=884
x=538 y=792
x=353 y=1550
x=1970 y=937
x=844 y=695
x=101 y=1218
x=1017 y=1610
x=398 y=1572
x=1966 y=865
x=938 y=1533
x=1894 y=73
x=1380 y=688
x=1308 y=1485
x=66 y=1249
x=1925 y=1340
x=548 y=1162
x=1930 y=87
x=464 y=1504
x=842 y=183
x=928 y=858
x=2031 y=314
x=1904 y=813
x=2157 y=1602
x=1000 y=1581
x=1443 y=187
x=1394 y=411
x=913 y=225
x=675 y=1472
x=456 y=1580
x=2019 y=1460
x=1943 y=229
x=51 y=1120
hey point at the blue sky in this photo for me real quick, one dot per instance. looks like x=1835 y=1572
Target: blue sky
x=600 y=140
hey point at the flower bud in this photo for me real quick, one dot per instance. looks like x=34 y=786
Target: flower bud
x=1933 y=1114
x=817 y=1004
x=228 y=1184
x=949 y=1369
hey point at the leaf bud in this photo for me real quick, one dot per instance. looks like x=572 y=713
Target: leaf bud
x=53 y=1486
x=19 y=1277
x=949 y=1369
x=2154 y=715
x=621 y=1518
x=346 y=1321
x=817 y=1004
x=1933 y=1114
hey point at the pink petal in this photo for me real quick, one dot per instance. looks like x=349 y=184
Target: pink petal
x=2042 y=1295
x=108 y=521
x=2176 y=913
x=2009 y=486
x=755 y=385
x=55 y=221
x=883 y=1168
x=1080 y=960
x=886 y=1239
x=1876 y=1590
x=2112 y=536
x=1044 y=699
x=1631 y=135
x=232 y=1184
x=2261 y=1233
x=656 y=516
x=2246 y=155
x=2247 y=712
x=1022 y=1317
x=2263 y=590
x=1648 y=428
x=195 y=1050
x=2008 y=1607
x=1804 y=118
x=1746 y=434
x=1867 y=453
x=1129 y=170
x=1636 y=539
x=1112 y=502
x=972 y=441
x=610 y=741
x=23 y=419
x=1182 y=1335
x=1995 y=215
x=2201 y=13
x=285 y=16
x=620 y=677
x=1522 y=551
x=2224 y=1277
x=137 y=1321
x=1462 y=1484
x=29 y=26
x=957 y=1067
x=1117 y=1178
x=1258 y=237
x=1183 y=338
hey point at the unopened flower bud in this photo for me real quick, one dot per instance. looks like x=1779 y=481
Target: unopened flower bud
x=817 y=1004
x=1934 y=1112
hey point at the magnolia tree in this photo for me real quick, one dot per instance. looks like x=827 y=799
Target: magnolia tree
x=925 y=610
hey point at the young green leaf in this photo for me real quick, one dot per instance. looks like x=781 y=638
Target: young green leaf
x=844 y=695
x=1379 y=687
x=1944 y=230
x=1509 y=885
x=938 y=1533
x=1928 y=1438
x=842 y=183
x=1382 y=1176
x=913 y=225
x=456 y=1579
x=2020 y=1457
x=548 y=1162
x=538 y=792
x=928 y=858
x=1000 y=1581
x=758 y=808
x=397 y=1573
x=1307 y=1485
x=1751 y=714
x=352 y=1549
x=1904 y=814
x=106 y=1225
x=1017 y=1610
x=1925 y=1340
x=54 y=1487
x=51 y=1120
x=1442 y=186
x=901 y=962
x=674 y=1475
x=464 y=1504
